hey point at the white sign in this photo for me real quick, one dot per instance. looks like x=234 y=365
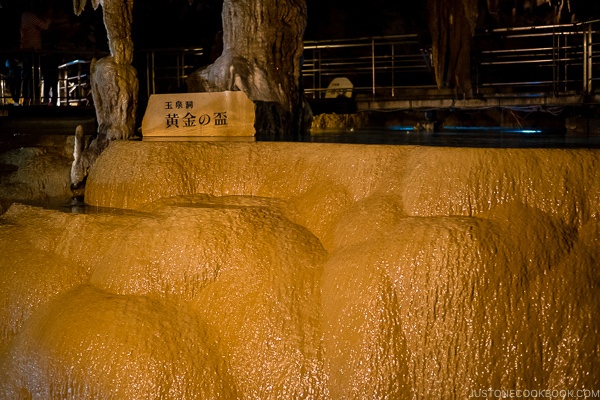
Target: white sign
x=339 y=87
x=198 y=115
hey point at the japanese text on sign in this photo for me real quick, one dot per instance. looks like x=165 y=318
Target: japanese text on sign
x=190 y=119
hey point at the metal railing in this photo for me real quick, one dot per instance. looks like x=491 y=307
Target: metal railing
x=43 y=77
x=166 y=70
x=554 y=59
x=377 y=66
x=74 y=83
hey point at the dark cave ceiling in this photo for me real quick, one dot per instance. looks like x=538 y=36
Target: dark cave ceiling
x=185 y=23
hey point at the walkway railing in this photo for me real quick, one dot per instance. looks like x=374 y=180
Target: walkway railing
x=554 y=60
x=377 y=66
x=166 y=70
x=43 y=77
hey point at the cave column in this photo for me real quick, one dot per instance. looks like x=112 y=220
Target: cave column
x=114 y=85
x=262 y=51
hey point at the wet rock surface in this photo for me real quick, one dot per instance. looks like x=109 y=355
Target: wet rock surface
x=303 y=270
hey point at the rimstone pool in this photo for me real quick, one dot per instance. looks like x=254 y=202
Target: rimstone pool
x=307 y=270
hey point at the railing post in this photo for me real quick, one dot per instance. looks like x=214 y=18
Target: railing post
x=565 y=62
x=316 y=56
x=477 y=64
x=320 y=72
x=314 y=71
x=37 y=79
x=317 y=71
x=79 y=91
x=63 y=85
x=393 y=71
x=554 y=62
x=148 y=71
x=153 y=73
x=373 y=66
x=587 y=59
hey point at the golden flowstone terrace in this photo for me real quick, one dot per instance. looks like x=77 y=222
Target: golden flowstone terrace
x=303 y=270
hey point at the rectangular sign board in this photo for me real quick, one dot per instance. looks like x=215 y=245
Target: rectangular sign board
x=199 y=115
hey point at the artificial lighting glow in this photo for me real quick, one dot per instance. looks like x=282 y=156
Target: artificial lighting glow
x=406 y=128
x=401 y=128
x=491 y=128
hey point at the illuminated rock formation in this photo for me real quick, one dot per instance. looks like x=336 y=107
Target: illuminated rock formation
x=282 y=270
x=203 y=320
x=38 y=173
x=262 y=49
x=114 y=87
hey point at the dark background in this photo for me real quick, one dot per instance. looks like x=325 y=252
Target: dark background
x=194 y=23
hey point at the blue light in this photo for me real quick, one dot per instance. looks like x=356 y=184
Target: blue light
x=491 y=128
x=401 y=128
x=501 y=129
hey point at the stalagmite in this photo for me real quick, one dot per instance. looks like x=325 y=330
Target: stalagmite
x=290 y=270
x=262 y=51
x=114 y=88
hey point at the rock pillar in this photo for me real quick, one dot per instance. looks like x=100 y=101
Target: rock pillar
x=262 y=53
x=114 y=85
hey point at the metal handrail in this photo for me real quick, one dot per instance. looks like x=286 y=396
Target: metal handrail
x=168 y=68
x=371 y=63
x=557 y=64
x=71 y=70
x=561 y=51
x=552 y=59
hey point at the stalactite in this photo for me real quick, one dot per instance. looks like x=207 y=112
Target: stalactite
x=452 y=25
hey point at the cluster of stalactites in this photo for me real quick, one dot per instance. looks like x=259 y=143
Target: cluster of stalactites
x=79 y=5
